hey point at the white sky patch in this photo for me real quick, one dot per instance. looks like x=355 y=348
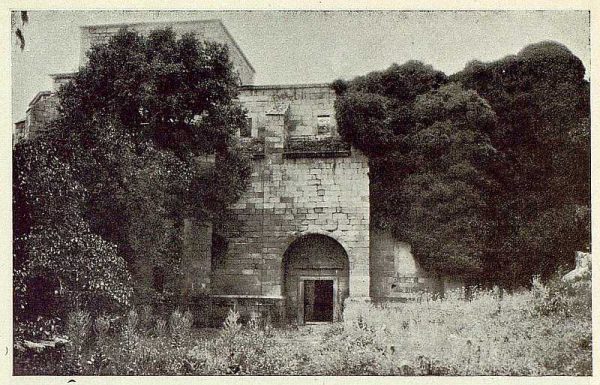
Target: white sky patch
x=287 y=47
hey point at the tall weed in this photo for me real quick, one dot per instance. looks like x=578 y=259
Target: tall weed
x=543 y=331
x=77 y=329
x=180 y=325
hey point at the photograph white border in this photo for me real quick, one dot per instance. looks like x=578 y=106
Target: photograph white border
x=6 y=173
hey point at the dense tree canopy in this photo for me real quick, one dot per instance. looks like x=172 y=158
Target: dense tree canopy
x=542 y=102
x=52 y=241
x=146 y=129
x=486 y=173
x=430 y=156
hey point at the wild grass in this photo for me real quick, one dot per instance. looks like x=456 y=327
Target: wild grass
x=543 y=331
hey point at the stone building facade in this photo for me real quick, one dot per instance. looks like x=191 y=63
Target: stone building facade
x=204 y=30
x=41 y=111
x=304 y=245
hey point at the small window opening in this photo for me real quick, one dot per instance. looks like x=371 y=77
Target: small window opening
x=323 y=124
x=218 y=250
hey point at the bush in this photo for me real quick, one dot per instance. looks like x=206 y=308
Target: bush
x=544 y=331
x=180 y=326
x=78 y=331
x=567 y=299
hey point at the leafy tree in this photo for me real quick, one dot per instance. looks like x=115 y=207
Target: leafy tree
x=493 y=179
x=431 y=161
x=146 y=128
x=53 y=242
x=542 y=102
x=376 y=109
x=445 y=207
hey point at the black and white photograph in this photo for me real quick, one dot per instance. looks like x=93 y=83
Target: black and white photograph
x=298 y=192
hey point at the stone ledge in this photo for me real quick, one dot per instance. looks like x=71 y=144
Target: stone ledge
x=245 y=296
x=285 y=86
x=316 y=148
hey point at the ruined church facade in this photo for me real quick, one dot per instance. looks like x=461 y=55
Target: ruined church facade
x=304 y=245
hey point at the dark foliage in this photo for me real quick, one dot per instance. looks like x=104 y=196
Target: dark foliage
x=543 y=208
x=493 y=181
x=430 y=158
x=59 y=263
x=148 y=125
x=146 y=135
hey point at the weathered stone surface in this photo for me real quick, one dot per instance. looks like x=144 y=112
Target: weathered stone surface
x=583 y=267
x=42 y=110
x=396 y=274
x=38 y=346
x=196 y=257
x=292 y=197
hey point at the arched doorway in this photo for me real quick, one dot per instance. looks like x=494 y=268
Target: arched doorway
x=316 y=279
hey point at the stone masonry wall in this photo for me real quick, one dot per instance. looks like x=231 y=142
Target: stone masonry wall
x=40 y=114
x=196 y=257
x=291 y=197
x=306 y=104
x=395 y=273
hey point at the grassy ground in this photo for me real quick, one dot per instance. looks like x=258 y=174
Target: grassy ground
x=545 y=331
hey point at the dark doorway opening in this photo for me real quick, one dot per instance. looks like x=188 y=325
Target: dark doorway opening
x=318 y=300
x=315 y=271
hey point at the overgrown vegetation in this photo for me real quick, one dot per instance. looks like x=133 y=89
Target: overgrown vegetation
x=59 y=263
x=144 y=139
x=543 y=206
x=486 y=173
x=543 y=331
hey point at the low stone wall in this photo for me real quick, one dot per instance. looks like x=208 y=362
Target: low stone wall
x=211 y=311
x=395 y=273
x=265 y=309
x=354 y=308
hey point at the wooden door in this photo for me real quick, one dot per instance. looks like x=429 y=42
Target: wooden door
x=317 y=300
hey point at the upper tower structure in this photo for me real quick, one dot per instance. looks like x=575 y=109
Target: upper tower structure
x=204 y=30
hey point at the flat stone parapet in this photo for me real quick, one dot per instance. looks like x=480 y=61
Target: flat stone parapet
x=244 y=296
